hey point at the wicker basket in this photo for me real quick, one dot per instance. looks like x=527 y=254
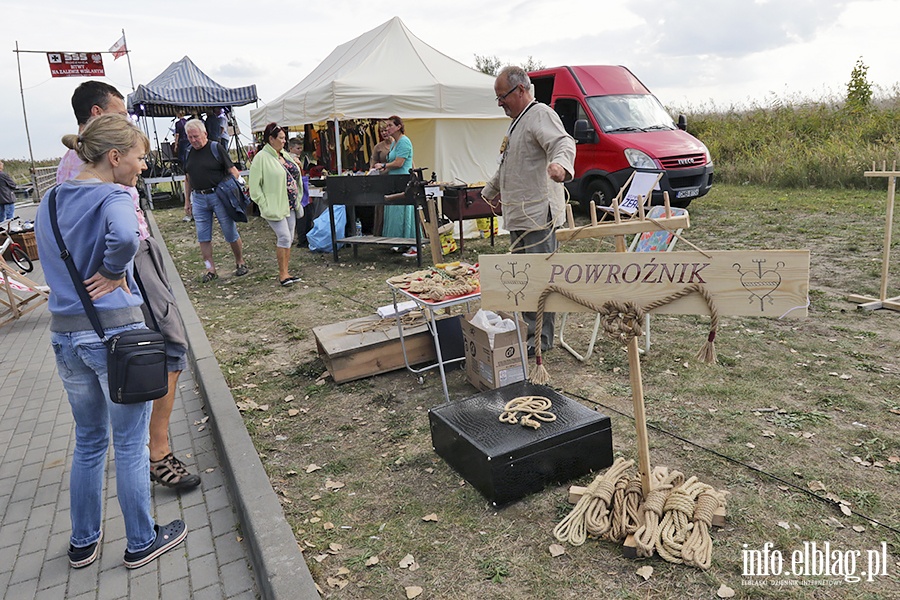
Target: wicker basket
x=28 y=243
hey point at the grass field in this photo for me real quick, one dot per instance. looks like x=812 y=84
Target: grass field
x=790 y=404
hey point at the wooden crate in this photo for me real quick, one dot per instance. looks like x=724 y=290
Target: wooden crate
x=27 y=241
x=350 y=356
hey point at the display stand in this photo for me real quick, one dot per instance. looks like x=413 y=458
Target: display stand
x=766 y=283
x=429 y=308
x=18 y=294
x=370 y=190
x=866 y=302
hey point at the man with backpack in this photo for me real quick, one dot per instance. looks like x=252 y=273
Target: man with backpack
x=206 y=166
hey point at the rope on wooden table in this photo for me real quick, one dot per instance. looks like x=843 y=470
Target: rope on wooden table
x=413 y=318
x=534 y=409
x=623 y=321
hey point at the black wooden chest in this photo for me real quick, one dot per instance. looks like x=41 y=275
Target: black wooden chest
x=506 y=462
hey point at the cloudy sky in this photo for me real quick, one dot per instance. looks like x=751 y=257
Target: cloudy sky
x=704 y=53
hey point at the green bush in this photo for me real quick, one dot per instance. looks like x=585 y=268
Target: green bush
x=791 y=143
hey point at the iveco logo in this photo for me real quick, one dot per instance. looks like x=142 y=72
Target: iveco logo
x=686 y=161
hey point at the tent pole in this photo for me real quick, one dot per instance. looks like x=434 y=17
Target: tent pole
x=337 y=144
x=128 y=56
x=25 y=114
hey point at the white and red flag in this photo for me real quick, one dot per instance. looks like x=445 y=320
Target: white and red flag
x=118 y=49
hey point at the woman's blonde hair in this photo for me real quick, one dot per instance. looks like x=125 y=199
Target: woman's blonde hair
x=105 y=133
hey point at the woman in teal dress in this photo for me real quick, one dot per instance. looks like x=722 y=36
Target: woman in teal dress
x=399 y=221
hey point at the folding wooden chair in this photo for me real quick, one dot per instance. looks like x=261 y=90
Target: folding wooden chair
x=649 y=241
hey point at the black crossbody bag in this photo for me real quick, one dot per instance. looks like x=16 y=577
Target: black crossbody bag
x=136 y=361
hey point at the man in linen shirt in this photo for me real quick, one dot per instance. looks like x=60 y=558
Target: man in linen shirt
x=536 y=157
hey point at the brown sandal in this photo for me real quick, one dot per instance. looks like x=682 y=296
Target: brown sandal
x=170 y=472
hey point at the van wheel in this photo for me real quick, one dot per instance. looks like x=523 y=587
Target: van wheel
x=600 y=191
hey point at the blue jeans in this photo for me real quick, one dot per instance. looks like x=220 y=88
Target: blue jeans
x=7 y=211
x=203 y=206
x=81 y=362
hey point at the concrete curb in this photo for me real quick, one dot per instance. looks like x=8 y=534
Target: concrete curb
x=281 y=570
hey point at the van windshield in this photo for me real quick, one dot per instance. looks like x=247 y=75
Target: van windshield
x=632 y=112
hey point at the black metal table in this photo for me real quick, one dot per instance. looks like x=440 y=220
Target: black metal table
x=368 y=190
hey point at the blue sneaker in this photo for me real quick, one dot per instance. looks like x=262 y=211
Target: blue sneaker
x=82 y=557
x=167 y=537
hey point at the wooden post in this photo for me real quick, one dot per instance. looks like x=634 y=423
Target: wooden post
x=437 y=254
x=866 y=302
x=640 y=417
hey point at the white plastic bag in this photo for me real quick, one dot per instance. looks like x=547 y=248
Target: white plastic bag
x=492 y=323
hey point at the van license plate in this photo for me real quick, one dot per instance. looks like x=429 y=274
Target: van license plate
x=687 y=193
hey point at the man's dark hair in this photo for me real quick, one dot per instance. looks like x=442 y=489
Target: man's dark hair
x=89 y=94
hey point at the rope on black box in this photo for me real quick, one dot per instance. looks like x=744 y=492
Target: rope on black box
x=534 y=409
x=622 y=321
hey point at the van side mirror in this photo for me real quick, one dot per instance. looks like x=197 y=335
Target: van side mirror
x=682 y=122
x=584 y=133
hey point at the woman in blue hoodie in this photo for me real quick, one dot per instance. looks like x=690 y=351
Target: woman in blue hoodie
x=99 y=228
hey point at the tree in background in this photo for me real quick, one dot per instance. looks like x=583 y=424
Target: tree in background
x=859 y=90
x=491 y=65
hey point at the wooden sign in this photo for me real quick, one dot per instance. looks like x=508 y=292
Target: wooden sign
x=756 y=283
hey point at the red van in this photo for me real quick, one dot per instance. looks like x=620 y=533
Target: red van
x=620 y=126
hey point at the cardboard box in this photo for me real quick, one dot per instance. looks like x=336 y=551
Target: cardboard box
x=489 y=368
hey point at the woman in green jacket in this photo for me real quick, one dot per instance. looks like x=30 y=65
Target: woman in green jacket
x=275 y=185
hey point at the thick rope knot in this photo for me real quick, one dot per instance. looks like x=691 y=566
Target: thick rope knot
x=622 y=320
x=534 y=409
x=617 y=509
x=601 y=489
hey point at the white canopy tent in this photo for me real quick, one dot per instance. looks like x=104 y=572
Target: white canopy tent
x=449 y=109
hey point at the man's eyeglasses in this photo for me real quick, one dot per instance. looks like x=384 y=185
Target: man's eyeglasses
x=503 y=97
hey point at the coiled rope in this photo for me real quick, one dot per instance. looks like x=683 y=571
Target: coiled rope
x=592 y=510
x=673 y=520
x=534 y=408
x=413 y=318
x=653 y=508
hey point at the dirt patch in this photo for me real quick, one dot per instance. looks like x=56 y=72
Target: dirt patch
x=791 y=402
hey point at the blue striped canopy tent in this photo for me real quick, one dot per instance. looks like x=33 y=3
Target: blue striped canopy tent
x=183 y=85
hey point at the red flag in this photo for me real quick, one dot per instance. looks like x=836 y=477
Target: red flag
x=118 y=49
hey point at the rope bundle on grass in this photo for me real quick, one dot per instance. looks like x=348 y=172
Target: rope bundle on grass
x=676 y=524
x=626 y=509
x=622 y=321
x=591 y=513
x=673 y=520
x=654 y=506
x=697 y=551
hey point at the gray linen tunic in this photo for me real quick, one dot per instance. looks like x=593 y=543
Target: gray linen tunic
x=537 y=140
